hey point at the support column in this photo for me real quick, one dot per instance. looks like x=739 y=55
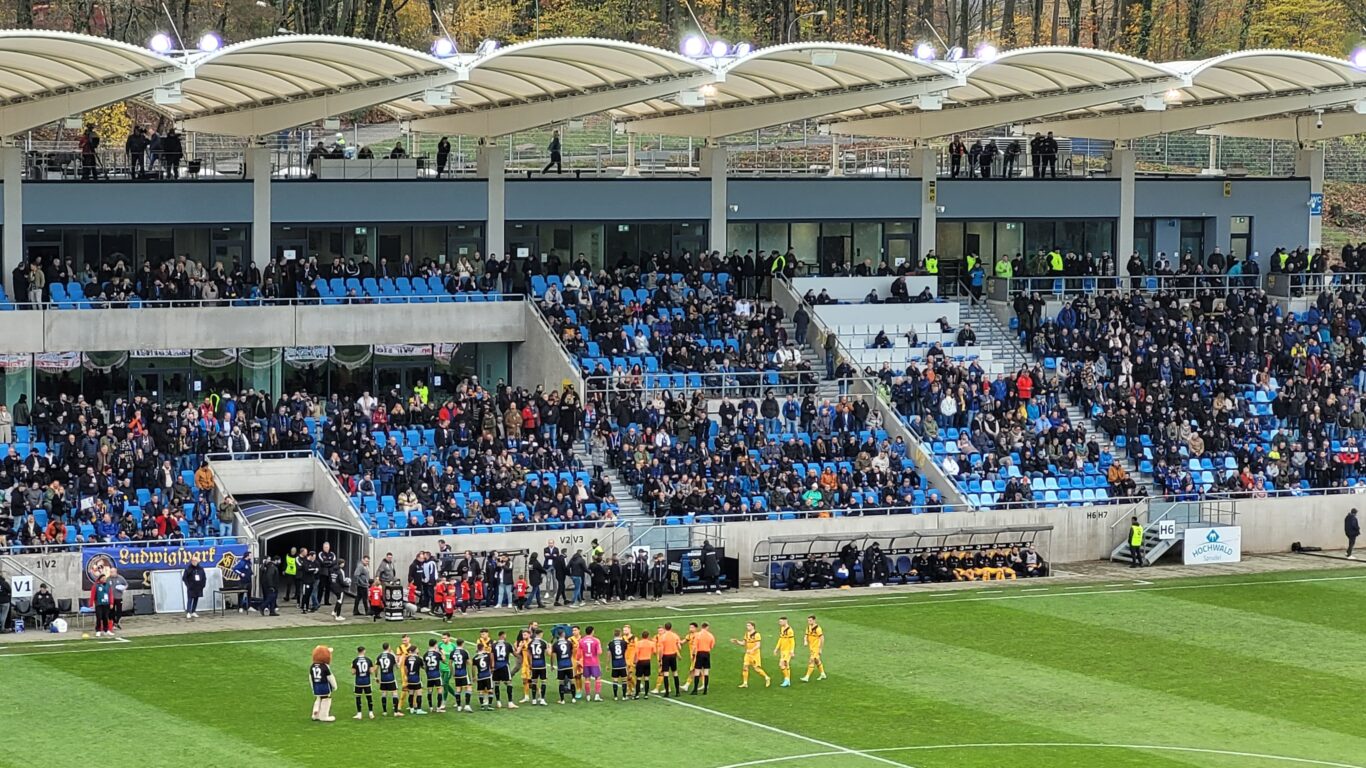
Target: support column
x=836 y=161
x=1308 y=162
x=631 y=169
x=489 y=160
x=12 y=252
x=258 y=169
x=713 y=166
x=1122 y=165
x=926 y=162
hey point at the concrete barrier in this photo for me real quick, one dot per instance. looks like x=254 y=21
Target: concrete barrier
x=854 y=289
x=73 y=330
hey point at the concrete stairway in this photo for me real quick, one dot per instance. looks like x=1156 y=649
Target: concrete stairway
x=1004 y=345
x=630 y=507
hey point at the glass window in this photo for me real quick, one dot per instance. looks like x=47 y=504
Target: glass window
x=868 y=243
x=1100 y=236
x=1193 y=237
x=742 y=236
x=1038 y=236
x=1240 y=225
x=394 y=242
x=588 y=242
x=655 y=238
x=948 y=240
x=804 y=241
x=1143 y=240
x=1009 y=240
x=773 y=237
x=980 y=238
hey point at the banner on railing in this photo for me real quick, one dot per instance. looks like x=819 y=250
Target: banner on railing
x=403 y=350
x=15 y=361
x=153 y=354
x=56 y=362
x=136 y=563
x=1207 y=546
x=307 y=355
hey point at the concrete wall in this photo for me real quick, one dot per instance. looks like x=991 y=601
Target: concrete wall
x=838 y=199
x=1278 y=207
x=887 y=314
x=540 y=359
x=359 y=202
x=60 y=570
x=267 y=326
x=116 y=203
x=856 y=288
x=538 y=199
x=265 y=477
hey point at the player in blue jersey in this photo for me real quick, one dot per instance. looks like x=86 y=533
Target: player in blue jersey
x=362 y=668
x=412 y=683
x=388 y=679
x=504 y=655
x=431 y=664
x=537 y=652
x=483 y=674
x=460 y=674
x=617 y=650
x=564 y=665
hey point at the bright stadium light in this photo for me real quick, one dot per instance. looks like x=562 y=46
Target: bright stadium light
x=160 y=42
x=986 y=52
x=488 y=46
x=210 y=42
x=743 y=49
x=693 y=46
x=719 y=49
x=444 y=47
x=1359 y=58
x=926 y=51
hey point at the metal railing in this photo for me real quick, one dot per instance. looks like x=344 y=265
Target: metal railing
x=713 y=383
x=1186 y=286
x=471 y=297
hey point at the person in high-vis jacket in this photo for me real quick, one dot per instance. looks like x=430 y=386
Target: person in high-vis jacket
x=291 y=575
x=1135 y=544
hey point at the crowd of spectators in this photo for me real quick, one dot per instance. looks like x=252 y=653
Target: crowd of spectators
x=83 y=472
x=1220 y=393
x=476 y=457
x=1007 y=440
x=627 y=327
x=762 y=457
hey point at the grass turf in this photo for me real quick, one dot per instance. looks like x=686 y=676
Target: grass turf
x=1205 y=673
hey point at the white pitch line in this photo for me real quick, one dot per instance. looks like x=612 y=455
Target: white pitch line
x=1035 y=589
x=1051 y=745
x=698 y=611
x=838 y=750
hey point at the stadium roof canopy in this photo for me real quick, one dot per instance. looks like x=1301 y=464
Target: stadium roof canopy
x=1233 y=88
x=1014 y=86
x=47 y=76
x=258 y=87
x=546 y=81
x=796 y=81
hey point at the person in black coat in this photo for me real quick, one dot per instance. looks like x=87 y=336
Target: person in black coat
x=578 y=570
x=1352 y=527
x=194 y=579
x=711 y=567
x=270 y=587
x=535 y=576
x=599 y=590
x=561 y=572
x=309 y=572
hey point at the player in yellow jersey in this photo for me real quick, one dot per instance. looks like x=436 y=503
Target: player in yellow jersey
x=630 y=655
x=785 y=649
x=753 y=644
x=692 y=653
x=523 y=650
x=814 y=642
x=659 y=676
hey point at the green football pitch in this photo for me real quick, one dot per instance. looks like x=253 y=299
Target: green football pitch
x=1245 y=671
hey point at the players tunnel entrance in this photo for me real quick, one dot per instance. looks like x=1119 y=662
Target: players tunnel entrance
x=277 y=526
